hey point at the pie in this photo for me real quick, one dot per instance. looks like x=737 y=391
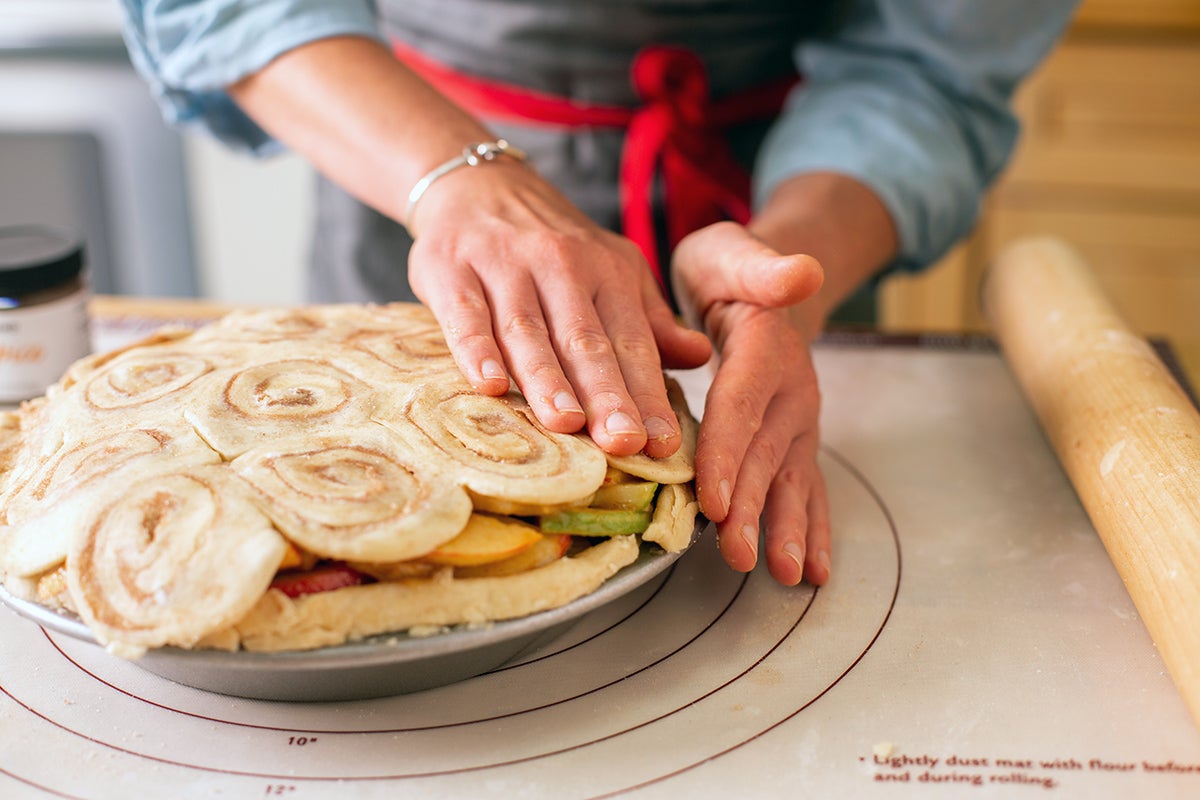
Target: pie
x=294 y=479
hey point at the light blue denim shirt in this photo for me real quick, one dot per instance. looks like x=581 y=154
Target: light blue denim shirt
x=909 y=96
x=912 y=98
x=190 y=50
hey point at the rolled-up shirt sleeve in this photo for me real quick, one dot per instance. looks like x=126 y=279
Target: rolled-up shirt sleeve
x=191 y=50
x=912 y=98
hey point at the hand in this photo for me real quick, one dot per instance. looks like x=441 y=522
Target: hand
x=757 y=451
x=524 y=284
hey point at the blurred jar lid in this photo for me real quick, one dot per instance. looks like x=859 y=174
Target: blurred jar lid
x=34 y=258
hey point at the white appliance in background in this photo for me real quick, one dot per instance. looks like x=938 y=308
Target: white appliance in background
x=82 y=146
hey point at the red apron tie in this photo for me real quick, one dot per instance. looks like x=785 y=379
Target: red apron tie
x=677 y=132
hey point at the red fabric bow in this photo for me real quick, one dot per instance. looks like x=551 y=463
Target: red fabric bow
x=677 y=133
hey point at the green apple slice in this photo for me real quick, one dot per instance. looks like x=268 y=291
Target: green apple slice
x=595 y=522
x=636 y=496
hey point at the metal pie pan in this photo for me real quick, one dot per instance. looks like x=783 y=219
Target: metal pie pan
x=380 y=666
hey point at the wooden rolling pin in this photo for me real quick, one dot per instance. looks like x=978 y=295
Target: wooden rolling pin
x=1126 y=434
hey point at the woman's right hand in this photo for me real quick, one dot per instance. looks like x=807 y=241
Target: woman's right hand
x=525 y=285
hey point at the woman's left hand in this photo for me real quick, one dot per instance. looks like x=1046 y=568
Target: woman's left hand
x=756 y=458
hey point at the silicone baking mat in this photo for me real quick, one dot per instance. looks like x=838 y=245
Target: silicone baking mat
x=974 y=640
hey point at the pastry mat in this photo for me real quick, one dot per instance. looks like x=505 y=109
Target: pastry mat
x=974 y=634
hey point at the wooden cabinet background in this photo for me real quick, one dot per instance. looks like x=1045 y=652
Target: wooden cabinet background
x=1109 y=160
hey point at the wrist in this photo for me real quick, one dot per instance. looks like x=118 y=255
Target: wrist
x=473 y=155
x=839 y=221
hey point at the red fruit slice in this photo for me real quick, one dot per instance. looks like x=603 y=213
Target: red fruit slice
x=324 y=578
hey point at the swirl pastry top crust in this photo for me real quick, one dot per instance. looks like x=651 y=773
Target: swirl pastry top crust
x=167 y=492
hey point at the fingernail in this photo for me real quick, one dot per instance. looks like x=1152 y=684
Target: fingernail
x=823 y=560
x=658 y=428
x=491 y=369
x=621 y=424
x=796 y=553
x=750 y=537
x=565 y=403
x=726 y=492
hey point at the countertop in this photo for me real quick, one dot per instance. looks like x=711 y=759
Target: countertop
x=973 y=633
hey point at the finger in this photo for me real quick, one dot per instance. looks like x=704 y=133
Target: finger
x=679 y=346
x=585 y=348
x=817 y=565
x=796 y=519
x=638 y=360
x=524 y=338
x=734 y=408
x=764 y=457
x=461 y=307
x=725 y=262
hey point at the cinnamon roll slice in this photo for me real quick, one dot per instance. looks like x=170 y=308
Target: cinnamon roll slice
x=147 y=384
x=51 y=504
x=496 y=445
x=360 y=494
x=140 y=377
x=172 y=558
x=266 y=325
x=273 y=398
x=411 y=352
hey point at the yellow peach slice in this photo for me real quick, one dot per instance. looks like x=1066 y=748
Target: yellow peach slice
x=515 y=508
x=483 y=540
x=546 y=550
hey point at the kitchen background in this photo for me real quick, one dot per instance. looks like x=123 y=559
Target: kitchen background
x=1110 y=160
x=82 y=145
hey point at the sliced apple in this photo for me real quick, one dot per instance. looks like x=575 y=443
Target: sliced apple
x=54 y=583
x=595 y=522
x=397 y=570
x=614 y=475
x=515 y=508
x=291 y=557
x=295 y=558
x=633 y=496
x=485 y=539
x=546 y=550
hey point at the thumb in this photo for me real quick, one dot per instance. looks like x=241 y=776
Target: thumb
x=725 y=262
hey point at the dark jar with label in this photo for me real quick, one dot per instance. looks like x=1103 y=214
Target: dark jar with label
x=44 y=296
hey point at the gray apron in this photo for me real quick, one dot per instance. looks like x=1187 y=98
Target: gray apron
x=580 y=49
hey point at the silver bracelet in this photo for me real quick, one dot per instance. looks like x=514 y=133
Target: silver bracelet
x=472 y=156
